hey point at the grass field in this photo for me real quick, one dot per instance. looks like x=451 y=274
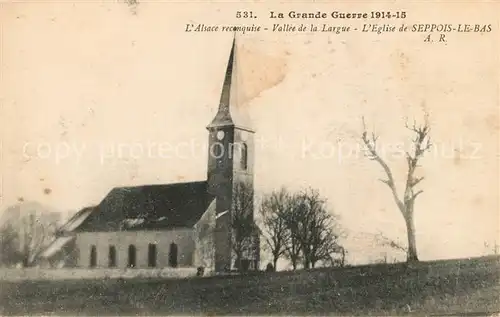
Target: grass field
x=451 y=287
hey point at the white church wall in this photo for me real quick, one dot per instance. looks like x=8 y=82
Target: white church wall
x=183 y=238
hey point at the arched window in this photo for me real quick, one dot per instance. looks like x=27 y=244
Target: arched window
x=172 y=255
x=152 y=255
x=217 y=150
x=112 y=256
x=131 y=256
x=243 y=156
x=93 y=256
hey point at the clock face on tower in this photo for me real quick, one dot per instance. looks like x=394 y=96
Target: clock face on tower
x=220 y=135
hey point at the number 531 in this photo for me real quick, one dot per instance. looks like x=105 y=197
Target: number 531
x=244 y=15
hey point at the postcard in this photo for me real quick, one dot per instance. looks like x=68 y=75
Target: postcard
x=249 y=158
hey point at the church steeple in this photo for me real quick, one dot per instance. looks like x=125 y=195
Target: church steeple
x=230 y=162
x=230 y=112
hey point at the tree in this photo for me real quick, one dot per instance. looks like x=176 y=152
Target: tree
x=316 y=224
x=300 y=227
x=242 y=222
x=292 y=220
x=312 y=228
x=341 y=261
x=9 y=245
x=336 y=258
x=273 y=209
x=406 y=203
x=34 y=234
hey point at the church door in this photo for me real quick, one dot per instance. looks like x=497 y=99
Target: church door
x=172 y=255
x=131 y=256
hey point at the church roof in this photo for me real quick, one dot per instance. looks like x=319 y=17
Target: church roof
x=56 y=246
x=149 y=207
x=76 y=220
x=229 y=112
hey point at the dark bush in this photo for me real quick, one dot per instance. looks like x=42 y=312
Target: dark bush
x=269 y=267
x=200 y=271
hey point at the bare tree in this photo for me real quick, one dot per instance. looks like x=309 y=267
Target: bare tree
x=343 y=252
x=313 y=227
x=406 y=204
x=35 y=232
x=300 y=227
x=242 y=222
x=292 y=220
x=324 y=244
x=9 y=245
x=273 y=209
x=337 y=258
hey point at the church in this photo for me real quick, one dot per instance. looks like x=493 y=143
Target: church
x=192 y=224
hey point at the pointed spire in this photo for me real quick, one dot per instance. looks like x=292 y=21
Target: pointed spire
x=228 y=112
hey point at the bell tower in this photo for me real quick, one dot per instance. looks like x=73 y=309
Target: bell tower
x=230 y=160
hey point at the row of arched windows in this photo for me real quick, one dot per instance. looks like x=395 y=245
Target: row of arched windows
x=132 y=256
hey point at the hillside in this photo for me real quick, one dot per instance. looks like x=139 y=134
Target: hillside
x=451 y=287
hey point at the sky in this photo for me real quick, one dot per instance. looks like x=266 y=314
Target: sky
x=101 y=94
